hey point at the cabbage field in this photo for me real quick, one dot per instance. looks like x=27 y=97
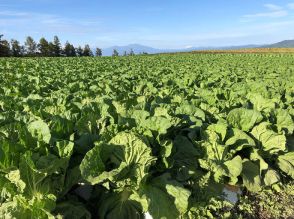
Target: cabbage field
x=159 y=135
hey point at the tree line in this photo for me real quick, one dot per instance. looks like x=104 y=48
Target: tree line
x=125 y=53
x=43 y=48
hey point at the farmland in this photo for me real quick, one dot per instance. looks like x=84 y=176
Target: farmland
x=248 y=51
x=119 y=137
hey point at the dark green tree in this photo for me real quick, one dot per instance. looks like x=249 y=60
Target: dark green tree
x=4 y=47
x=72 y=51
x=79 y=51
x=30 y=46
x=125 y=53
x=69 y=50
x=87 y=51
x=16 y=48
x=56 y=47
x=98 y=52
x=52 y=50
x=43 y=47
x=66 y=49
x=115 y=53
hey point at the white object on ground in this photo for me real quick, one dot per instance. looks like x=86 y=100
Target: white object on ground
x=231 y=196
x=148 y=216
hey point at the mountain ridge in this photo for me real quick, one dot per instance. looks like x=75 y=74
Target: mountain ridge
x=281 y=44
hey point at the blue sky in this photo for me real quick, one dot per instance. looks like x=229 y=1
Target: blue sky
x=156 y=23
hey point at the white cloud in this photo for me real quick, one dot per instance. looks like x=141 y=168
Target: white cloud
x=272 y=14
x=13 y=14
x=30 y=22
x=273 y=7
x=274 y=11
x=290 y=5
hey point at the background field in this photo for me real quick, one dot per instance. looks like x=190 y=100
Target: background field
x=253 y=50
x=240 y=51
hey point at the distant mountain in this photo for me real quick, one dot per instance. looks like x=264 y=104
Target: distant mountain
x=282 y=44
x=137 y=48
